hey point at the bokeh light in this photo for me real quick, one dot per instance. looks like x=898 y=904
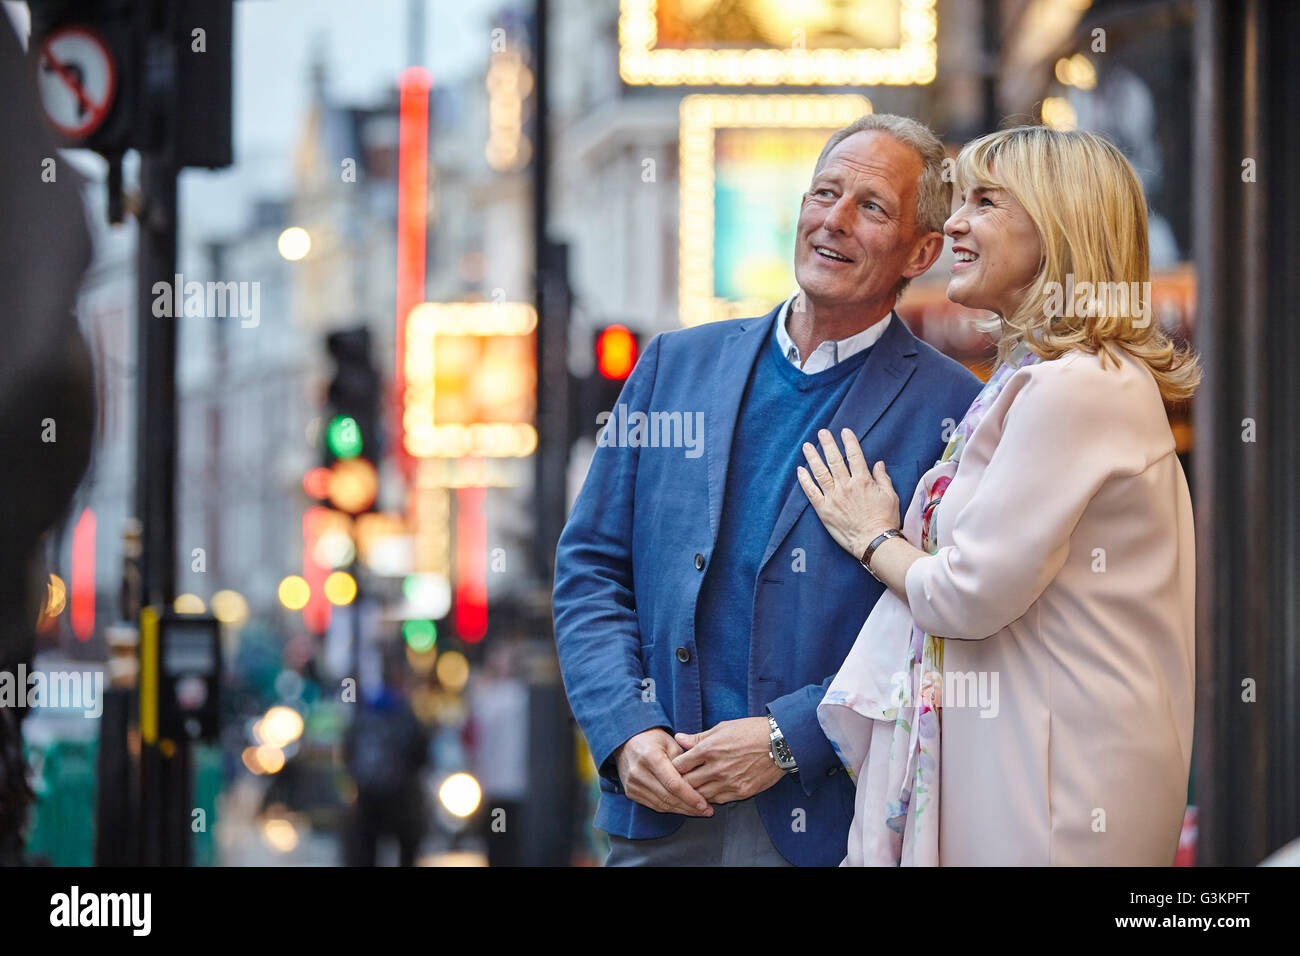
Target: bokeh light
x=189 y=604
x=340 y=588
x=263 y=759
x=420 y=635
x=280 y=727
x=229 y=607
x=453 y=670
x=294 y=592
x=280 y=834
x=294 y=243
x=460 y=794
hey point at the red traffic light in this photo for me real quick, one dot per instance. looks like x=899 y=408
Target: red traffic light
x=616 y=352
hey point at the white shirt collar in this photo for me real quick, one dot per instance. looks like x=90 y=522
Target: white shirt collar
x=829 y=353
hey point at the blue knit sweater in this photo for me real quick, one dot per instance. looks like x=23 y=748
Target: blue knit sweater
x=782 y=409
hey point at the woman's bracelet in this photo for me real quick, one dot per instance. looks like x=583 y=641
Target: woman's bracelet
x=876 y=542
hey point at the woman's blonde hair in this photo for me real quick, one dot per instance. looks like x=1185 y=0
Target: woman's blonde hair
x=1092 y=289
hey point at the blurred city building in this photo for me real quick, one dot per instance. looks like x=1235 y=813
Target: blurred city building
x=674 y=169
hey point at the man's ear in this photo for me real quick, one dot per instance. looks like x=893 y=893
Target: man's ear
x=924 y=253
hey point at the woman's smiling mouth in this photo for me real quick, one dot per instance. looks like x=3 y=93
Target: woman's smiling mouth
x=964 y=258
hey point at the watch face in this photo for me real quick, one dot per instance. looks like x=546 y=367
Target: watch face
x=777 y=748
x=780 y=752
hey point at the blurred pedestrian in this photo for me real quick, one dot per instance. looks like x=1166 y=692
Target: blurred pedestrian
x=385 y=750
x=498 y=711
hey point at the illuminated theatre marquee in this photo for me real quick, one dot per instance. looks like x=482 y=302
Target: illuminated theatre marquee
x=745 y=161
x=471 y=380
x=776 y=43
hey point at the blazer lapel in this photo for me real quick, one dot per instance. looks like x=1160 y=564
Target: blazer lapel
x=735 y=361
x=887 y=369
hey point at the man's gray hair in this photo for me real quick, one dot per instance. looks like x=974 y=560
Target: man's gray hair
x=933 y=193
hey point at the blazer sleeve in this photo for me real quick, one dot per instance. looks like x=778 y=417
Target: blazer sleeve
x=1061 y=437
x=796 y=715
x=597 y=634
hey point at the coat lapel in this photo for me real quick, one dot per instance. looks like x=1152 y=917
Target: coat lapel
x=887 y=369
x=735 y=361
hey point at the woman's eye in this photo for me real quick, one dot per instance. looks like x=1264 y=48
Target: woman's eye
x=985 y=199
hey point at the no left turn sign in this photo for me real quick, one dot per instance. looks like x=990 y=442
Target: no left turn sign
x=77 y=79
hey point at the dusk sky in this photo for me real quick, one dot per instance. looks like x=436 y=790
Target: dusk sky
x=365 y=46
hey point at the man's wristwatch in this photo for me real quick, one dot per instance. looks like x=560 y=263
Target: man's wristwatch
x=778 y=749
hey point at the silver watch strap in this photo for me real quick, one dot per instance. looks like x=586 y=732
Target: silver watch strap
x=778 y=749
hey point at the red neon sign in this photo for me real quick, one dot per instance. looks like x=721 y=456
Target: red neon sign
x=471 y=564
x=412 y=221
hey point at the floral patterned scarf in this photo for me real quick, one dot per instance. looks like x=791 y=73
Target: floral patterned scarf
x=883 y=719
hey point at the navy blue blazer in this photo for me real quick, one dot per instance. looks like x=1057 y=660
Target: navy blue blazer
x=632 y=557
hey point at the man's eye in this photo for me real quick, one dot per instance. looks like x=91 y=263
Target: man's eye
x=873 y=206
x=818 y=192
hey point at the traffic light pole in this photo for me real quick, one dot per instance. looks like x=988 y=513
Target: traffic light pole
x=551 y=766
x=551 y=490
x=156 y=384
x=554 y=300
x=164 y=790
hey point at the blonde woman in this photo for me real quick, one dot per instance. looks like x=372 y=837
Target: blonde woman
x=1036 y=638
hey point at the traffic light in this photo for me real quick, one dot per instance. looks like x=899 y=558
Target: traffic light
x=615 y=350
x=352 y=419
x=180 y=676
x=350 y=441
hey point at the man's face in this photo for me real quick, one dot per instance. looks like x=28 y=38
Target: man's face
x=862 y=206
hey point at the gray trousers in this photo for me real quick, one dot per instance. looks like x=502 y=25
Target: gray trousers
x=733 y=836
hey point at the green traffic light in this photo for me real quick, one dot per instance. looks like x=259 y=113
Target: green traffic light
x=420 y=635
x=343 y=437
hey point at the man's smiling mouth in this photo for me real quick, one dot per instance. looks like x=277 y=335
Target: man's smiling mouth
x=826 y=252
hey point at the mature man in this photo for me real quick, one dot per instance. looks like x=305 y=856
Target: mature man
x=701 y=609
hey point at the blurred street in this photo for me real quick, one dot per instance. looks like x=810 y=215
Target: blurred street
x=347 y=292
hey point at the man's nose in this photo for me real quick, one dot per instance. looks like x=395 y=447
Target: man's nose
x=836 y=218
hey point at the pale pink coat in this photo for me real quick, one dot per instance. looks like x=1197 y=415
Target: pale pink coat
x=1066 y=568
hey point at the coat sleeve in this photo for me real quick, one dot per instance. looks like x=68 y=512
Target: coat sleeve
x=1062 y=436
x=597 y=635
x=796 y=715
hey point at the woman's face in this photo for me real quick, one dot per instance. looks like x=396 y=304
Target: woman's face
x=997 y=249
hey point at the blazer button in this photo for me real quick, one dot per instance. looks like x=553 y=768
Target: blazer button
x=699 y=562
x=683 y=654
